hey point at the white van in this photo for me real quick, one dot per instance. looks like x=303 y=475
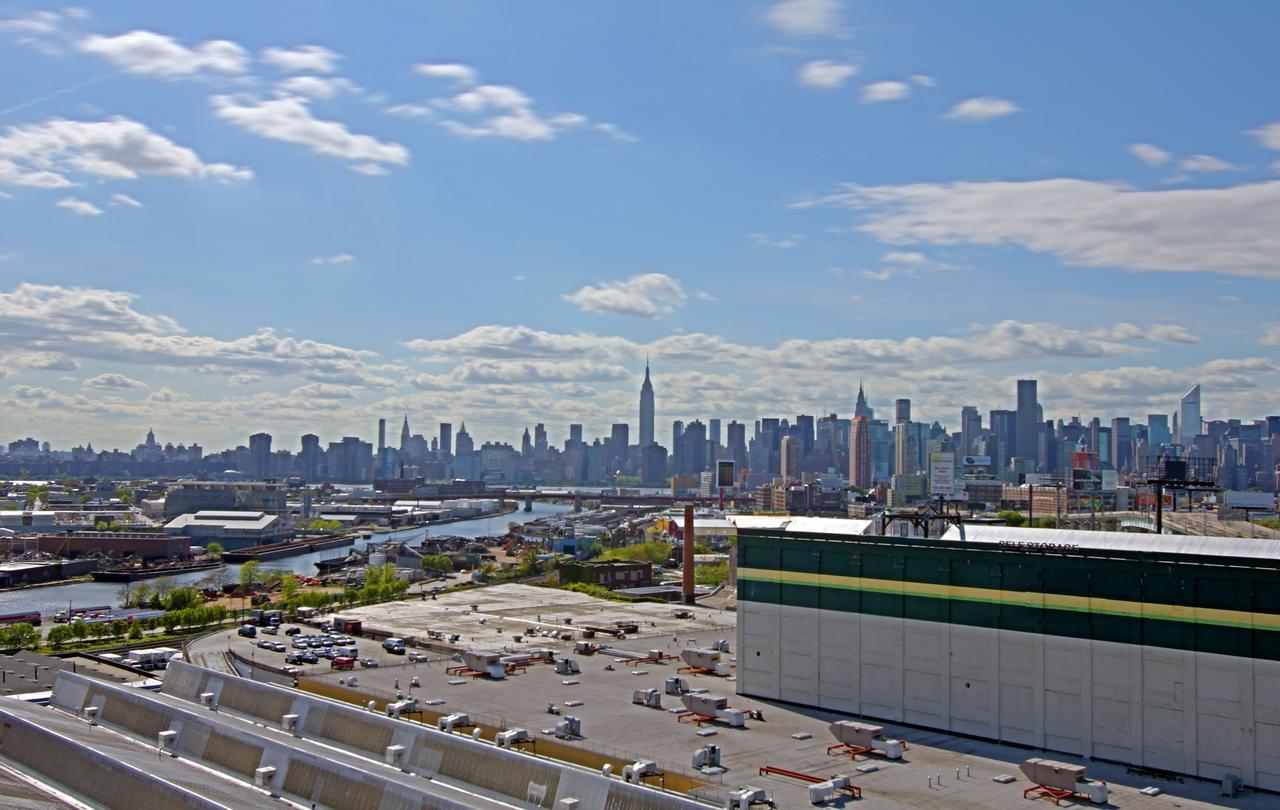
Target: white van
x=395 y=646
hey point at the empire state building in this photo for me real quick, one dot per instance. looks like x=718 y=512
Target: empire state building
x=646 y=409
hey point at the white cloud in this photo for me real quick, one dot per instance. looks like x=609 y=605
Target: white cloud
x=1149 y=154
x=316 y=87
x=289 y=119
x=40 y=361
x=1271 y=337
x=785 y=242
x=982 y=108
x=125 y=199
x=804 y=17
x=647 y=296
x=369 y=169
x=42 y=155
x=78 y=206
x=104 y=325
x=1206 y=163
x=114 y=382
x=1083 y=222
x=35 y=22
x=824 y=74
x=877 y=92
x=1268 y=135
x=244 y=379
x=615 y=132
x=302 y=59
x=150 y=54
x=339 y=258
x=922 y=80
x=462 y=74
x=324 y=391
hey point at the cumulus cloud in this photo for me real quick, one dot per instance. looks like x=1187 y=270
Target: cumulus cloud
x=78 y=206
x=804 y=17
x=114 y=382
x=302 y=59
x=147 y=53
x=1149 y=154
x=824 y=74
x=922 y=80
x=125 y=199
x=324 y=391
x=1083 y=222
x=104 y=325
x=1268 y=135
x=40 y=361
x=46 y=155
x=983 y=108
x=477 y=110
x=1271 y=337
x=646 y=296
x=289 y=119
x=877 y=92
x=337 y=258
x=462 y=74
x=1206 y=163
x=317 y=87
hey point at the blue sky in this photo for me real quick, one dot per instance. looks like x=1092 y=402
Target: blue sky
x=223 y=218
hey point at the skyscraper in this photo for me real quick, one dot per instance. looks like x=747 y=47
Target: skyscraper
x=1121 y=444
x=1027 y=442
x=860 y=406
x=1158 y=430
x=736 y=442
x=860 y=470
x=382 y=436
x=713 y=432
x=646 y=409
x=259 y=455
x=970 y=427
x=311 y=458
x=1189 y=416
x=901 y=410
x=446 y=439
x=404 y=434
x=790 y=458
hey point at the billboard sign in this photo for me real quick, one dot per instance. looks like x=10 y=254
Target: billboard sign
x=1108 y=480
x=976 y=461
x=942 y=474
x=725 y=474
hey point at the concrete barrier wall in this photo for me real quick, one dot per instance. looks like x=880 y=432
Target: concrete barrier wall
x=428 y=751
x=91 y=774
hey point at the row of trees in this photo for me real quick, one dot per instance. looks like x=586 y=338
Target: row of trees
x=195 y=617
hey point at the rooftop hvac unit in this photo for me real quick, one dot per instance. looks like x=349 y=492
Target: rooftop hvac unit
x=451 y=721
x=1051 y=774
x=704 y=704
x=289 y=723
x=264 y=776
x=649 y=698
x=722 y=645
x=860 y=735
x=701 y=658
x=166 y=740
x=567 y=666
x=746 y=796
x=635 y=771
x=91 y=714
x=828 y=790
x=509 y=738
x=570 y=726
x=708 y=756
x=209 y=699
x=394 y=755
x=490 y=663
x=676 y=686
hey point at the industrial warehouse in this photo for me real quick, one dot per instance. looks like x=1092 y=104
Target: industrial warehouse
x=1154 y=651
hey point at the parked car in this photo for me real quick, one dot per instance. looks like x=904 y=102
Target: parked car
x=417 y=657
x=368 y=662
x=293 y=631
x=271 y=630
x=248 y=631
x=294 y=658
x=310 y=657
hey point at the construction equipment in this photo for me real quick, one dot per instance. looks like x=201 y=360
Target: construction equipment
x=1061 y=780
x=861 y=738
x=823 y=789
x=703 y=708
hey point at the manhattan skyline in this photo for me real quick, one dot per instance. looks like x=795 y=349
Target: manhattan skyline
x=219 y=222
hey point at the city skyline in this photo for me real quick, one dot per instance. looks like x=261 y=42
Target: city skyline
x=223 y=223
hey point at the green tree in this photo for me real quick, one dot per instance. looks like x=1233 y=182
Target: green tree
x=214 y=549
x=250 y=575
x=58 y=636
x=319 y=525
x=182 y=598
x=437 y=562
x=1011 y=517
x=124 y=494
x=80 y=630
x=135 y=631
x=711 y=574
x=118 y=628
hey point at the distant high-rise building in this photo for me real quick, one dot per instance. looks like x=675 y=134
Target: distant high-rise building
x=404 y=434
x=463 y=444
x=382 y=436
x=1027 y=442
x=446 y=439
x=259 y=455
x=970 y=427
x=619 y=441
x=1158 y=431
x=1189 y=416
x=860 y=406
x=713 y=432
x=901 y=410
x=575 y=434
x=311 y=459
x=790 y=458
x=1004 y=429
x=646 y=409
x=677 y=429
x=540 y=440
x=692 y=450
x=350 y=461
x=736 y=443
x=1121 y=444
x=907 y=447
x=526 y=444
x=861 y=473
x=804 y=431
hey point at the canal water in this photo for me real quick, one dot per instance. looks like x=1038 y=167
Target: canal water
x=51 y=599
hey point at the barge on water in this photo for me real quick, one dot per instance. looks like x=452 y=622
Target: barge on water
x=135 y=573
x=274 y=551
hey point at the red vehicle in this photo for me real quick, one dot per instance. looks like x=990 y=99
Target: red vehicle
x=30 y=617
x=342 y=662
